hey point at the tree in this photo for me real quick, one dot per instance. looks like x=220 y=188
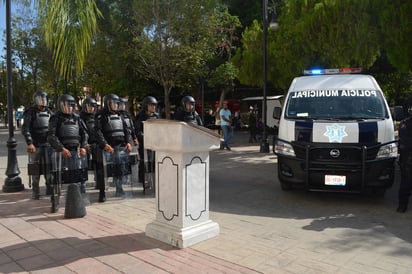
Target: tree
x=173 y=41
x=325 y=33
x=225 y=72
x=245 y=10
x=69 y=27
x=30 y=57
x=396 y=32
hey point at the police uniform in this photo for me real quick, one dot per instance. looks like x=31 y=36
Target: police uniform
x=90 y=123
x=405 y=162
x=190 y=117
x=110 y=130
x=34 y=130
x=129 y=125
x=67 y=135
x=67 y=131
x=140 y=118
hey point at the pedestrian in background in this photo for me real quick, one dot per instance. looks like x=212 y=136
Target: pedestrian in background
x=252 y=125
x=226 y=124
x=216 y=116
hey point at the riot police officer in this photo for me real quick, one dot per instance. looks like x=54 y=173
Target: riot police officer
x=187 y=112
x=405 y=162
x=112 y=135
x=36 y=121
x=67 y=135
x=147 y=112
x=128 y=120
x=87 y=114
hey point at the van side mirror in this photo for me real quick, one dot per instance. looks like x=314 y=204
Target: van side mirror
x=277 y=111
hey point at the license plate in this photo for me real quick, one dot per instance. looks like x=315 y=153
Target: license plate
x=335 y=180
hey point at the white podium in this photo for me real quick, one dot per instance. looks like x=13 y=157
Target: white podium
x=182 y=181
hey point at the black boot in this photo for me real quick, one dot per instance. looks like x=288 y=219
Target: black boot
x=49 y=189
x=36 y=191
x=402 y=208
x=82 y=188
x=102 y=196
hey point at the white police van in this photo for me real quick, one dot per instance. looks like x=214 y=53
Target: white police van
x=336 y=133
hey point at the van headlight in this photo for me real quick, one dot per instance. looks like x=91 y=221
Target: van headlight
x=284 y=148
x=387 y=151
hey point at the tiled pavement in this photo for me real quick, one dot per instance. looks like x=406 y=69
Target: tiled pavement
x=263 y=229
x=32 y=240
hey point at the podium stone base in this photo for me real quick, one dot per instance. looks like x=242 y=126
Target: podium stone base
x=182 y=237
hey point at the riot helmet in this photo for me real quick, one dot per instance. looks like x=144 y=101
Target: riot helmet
x=188 y=100
x=40 y=98
x=122 y=104
x=89 y=105
x=66 y=103
x=111 y=102
x=148 y=100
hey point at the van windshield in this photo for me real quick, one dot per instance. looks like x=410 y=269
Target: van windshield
x=336 y=104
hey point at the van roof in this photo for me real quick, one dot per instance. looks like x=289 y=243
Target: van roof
x=341 y=81
x=257 y=98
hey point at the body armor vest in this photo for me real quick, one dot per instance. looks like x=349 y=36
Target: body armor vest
x=40 y=126
x=69 y=132
x=127 y=121
x=114 y=127
x=90 y=122
x=190 y=118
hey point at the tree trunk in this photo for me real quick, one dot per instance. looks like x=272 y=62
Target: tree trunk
x=167 y=90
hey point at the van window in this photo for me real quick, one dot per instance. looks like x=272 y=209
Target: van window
x=336 y=104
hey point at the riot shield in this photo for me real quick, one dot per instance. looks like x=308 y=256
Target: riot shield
x=116 y=166
x=39 y=162
x=149 y=173
x=134 y=167
x=66 y=171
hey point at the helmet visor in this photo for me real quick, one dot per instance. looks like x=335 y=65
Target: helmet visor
x=122 y=106
x=40 y=101
x=189 y=106
x=113 y=105
x=67 y=107
x=90 y=108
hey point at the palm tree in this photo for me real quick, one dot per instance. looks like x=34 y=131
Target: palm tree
x=68 y=27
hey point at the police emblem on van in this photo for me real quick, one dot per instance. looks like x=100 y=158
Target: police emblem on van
x=335 y=133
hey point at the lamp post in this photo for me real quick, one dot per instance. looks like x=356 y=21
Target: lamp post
x=264 y=145
x=13 y=182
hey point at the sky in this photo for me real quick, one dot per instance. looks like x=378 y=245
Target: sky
x=3 y=25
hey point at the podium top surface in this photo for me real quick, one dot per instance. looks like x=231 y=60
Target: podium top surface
x=163 y=134
x=195 y=127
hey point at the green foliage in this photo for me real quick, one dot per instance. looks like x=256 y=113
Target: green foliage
x=172 y=41
x=327 y=33
x=249 y=57
x=69 y=27
x=396 y=26
x=223 y=74
x=222 y=70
